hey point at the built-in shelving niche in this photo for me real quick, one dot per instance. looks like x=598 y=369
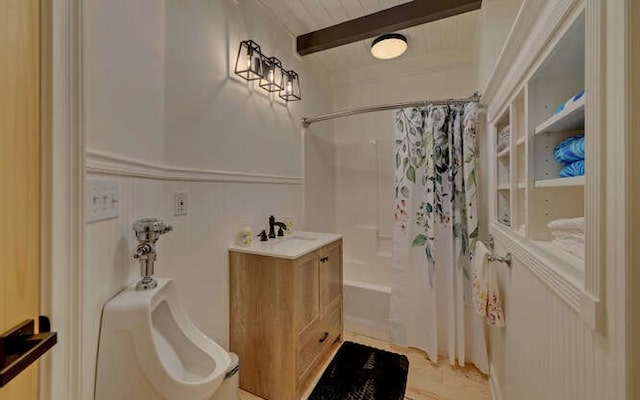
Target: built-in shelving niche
x=503 y=170
x=530 y=192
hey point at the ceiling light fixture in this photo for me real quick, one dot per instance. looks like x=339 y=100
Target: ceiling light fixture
x=389 y=46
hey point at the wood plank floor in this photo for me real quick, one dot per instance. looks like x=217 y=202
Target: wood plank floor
x=427 y=380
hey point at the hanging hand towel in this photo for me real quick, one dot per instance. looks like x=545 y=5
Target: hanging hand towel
x=495 y=311
x=479 y=279
x=486 y=294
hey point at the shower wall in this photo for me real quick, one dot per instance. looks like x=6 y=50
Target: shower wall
x=364 y=172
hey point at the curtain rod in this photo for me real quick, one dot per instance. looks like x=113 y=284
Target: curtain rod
x=306 y=122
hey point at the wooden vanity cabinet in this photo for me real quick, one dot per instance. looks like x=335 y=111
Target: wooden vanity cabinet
x=285 y=316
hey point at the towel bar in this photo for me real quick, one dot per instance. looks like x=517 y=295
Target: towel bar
x=506 y=259
x=491 y=244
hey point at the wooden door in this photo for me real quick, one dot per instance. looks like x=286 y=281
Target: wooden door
x=19 y=176
x=331 y=277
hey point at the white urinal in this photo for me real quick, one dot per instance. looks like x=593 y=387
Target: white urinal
x=150 y=350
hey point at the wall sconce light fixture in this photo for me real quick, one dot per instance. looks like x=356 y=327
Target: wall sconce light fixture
x=291 y=90
x=273 y=79
x=250 y=62
x=252 y=65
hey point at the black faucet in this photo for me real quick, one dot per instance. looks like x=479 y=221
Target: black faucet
x=272 y=225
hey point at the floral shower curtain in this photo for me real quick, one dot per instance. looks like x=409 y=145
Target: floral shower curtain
x=435 y=230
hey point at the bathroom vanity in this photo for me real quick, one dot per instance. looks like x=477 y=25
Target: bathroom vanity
x=286 y=311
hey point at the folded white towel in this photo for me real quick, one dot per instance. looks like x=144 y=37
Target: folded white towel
x=570 y=235
x=567 y=224
x=505 y=132
x=570 y=246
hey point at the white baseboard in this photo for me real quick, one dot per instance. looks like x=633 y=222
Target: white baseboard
x=367 y=328
x=496 y=392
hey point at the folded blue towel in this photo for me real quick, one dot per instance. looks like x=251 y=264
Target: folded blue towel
x=573 y=169
x=572 y=100
x=559 y=109
x=570 y=150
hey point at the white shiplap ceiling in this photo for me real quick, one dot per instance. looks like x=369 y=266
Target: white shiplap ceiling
x=303 y=16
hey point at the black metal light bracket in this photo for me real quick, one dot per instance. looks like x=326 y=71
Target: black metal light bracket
x=20 y=347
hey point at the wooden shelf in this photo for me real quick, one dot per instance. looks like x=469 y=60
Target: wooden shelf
x=571 y=118
x=522 y=185
x=560 y=182
x=504 y=153
x=503 y=187
x=575 y=262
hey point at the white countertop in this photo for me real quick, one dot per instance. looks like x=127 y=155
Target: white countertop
x=289 y=247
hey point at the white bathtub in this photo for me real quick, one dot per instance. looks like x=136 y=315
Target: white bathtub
x=367 y=281
x=366 y=308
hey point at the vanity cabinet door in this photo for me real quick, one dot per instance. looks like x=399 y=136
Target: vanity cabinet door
x=307 y=292
x=331 y=277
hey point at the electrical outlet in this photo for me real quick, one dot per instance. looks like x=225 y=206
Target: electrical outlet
x=180 y=203
x=101 y=200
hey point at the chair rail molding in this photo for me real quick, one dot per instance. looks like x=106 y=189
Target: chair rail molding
x=102 y=163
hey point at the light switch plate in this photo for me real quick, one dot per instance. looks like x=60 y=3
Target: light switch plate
x=180 y=203
x=102 y=200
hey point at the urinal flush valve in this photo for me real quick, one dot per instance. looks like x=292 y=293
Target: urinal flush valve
x=148 y=231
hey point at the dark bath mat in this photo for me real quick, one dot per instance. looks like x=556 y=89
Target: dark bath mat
x=359 y=372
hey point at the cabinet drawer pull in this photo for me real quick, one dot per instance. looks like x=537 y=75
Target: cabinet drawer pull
x=324 y=337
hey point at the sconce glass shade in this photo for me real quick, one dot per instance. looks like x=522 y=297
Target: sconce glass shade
x=273 y=79
x=250 y=63
x=291 y=90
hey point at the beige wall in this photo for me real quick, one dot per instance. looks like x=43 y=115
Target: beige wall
x=496 y=19
x=159 y=90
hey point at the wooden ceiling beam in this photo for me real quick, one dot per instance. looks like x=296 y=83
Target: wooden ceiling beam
x=393 y=19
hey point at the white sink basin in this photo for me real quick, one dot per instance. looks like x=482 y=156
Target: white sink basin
x=294 y=241
x=291 y=247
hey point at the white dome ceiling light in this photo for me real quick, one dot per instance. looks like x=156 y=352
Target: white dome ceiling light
x=389 y=46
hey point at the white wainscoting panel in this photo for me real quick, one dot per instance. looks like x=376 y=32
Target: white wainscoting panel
x=194 y=254
x=546 y=351
x=109 y=266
